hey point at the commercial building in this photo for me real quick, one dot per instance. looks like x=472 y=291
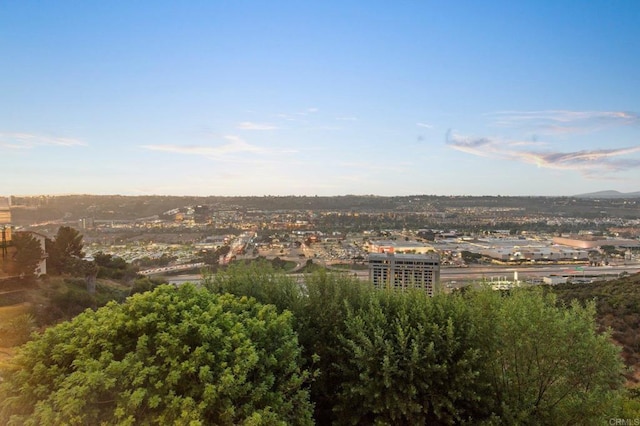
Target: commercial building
x=405 y=271
x=391 y=246
x=589 y=243
x=535 y=253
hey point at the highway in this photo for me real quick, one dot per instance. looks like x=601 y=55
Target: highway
x=165 y=269
x=489 y=272
x=534 y=271
x=524 y=272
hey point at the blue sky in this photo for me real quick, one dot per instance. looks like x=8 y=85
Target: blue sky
x=320 y=98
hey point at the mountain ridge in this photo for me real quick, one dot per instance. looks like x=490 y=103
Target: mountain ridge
x=609 y=194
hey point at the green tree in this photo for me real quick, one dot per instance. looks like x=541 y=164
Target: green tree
x=609 y=250
x=320 y=320
x=142 y=284
x=89 y=270
x=472 y=357
x=470 y=257
x=109 y=261
x=113 y=267
x=629 y=405
x=27 y=255
x=147 y=262
x=66 y=246
x=411 y=360
x=212 y=257
x=16 y=331
x=53 y=257
x=320 y=308
x=69 y=242
x=546 y=364
x=258 y=280
x=171 y=356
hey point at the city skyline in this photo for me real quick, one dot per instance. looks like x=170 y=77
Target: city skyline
x=331 y=98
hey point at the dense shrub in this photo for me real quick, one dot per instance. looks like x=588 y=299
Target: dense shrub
x=377 y=357
x=477 y=356
x=17 y=330
x=171 y=356
x=411 y=359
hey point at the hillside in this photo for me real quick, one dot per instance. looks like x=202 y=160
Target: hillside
x=618 y=308
x=28 y=305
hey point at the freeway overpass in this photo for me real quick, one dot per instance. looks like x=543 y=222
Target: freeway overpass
x=174 y=268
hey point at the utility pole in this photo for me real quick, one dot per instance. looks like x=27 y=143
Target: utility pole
x=4 y=243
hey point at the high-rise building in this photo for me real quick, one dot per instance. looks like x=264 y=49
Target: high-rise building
x=405 y=271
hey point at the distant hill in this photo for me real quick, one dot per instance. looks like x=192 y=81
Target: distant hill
x=69 y=209
x=609 y=194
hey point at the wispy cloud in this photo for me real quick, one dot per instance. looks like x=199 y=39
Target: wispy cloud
x=483 y=147
x=31 y=140
x=424 y=125
x=235 y=145
x=589 y=162
x=562 y=121
x=347 y=118
x=248 y=125
x=293 y=115
x=287 y=117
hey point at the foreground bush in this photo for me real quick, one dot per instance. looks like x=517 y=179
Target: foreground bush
x=480 y=357
x=546 y=363
x=410 y=359
x=171 y=356
x=320 y=308
x=178 y=356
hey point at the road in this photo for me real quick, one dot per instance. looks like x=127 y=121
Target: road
x=534 y=271
x=488 y=272
x=165 y=269
x=524 y=272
